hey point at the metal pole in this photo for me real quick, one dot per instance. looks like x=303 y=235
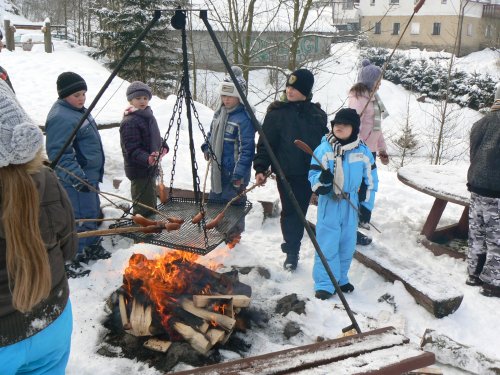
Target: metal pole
x=286 y=185
x=156 y=17
x=188 y=99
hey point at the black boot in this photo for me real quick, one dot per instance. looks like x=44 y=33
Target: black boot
x=347 y=288
x=322 y=294
x=291 y=262
x=362 y=239
x=474 y=280
x=489 y=290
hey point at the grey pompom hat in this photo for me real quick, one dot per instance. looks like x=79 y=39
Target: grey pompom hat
x=138 y=88
x=20 y=138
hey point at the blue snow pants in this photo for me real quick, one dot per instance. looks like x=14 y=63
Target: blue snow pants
x=45 y=353
x=336 y=235
x=85 y=206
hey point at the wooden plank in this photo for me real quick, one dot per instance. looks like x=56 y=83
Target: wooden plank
x=304 y=358
x=433 y=218
x=202 y=300
x=450 y=352
x=431 y=291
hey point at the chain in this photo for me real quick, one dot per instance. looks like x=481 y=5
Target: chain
x=205 y=137
x=177 y=110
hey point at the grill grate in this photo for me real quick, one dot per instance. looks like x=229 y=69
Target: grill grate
x=191 y=237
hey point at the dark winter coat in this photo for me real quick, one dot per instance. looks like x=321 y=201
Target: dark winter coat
x=284 y=123
x=483 y=177
x=239 y=144
x=57 y=225
x=139 y=137
x=85 y=156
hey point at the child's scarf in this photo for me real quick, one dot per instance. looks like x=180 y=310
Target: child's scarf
x=338 y=155
x=217 y=142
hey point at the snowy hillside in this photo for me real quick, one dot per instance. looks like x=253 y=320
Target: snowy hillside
x=399 y=213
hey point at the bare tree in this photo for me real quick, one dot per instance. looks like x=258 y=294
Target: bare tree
x=406 y=143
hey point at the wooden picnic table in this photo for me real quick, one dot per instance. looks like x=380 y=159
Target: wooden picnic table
x=446 y=184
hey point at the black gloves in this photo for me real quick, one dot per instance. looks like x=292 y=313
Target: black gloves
x=326 y=177
x=323 y=190
x=82 y=187
x=365 y=214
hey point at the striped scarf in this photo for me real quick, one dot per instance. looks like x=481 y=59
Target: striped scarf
x=338 y=154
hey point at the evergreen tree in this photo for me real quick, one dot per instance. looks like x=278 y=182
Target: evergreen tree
x=156 y=61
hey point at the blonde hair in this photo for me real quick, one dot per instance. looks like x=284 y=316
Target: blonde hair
x=28 y=266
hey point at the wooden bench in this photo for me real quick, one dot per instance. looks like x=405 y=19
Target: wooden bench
x=382 y=351
x=430 y=290
x=445 y=184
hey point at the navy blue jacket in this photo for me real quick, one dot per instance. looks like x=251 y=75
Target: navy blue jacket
x=239 y=144
x=85 y=156
x=139 y=137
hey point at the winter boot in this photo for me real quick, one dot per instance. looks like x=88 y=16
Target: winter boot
x=323 y=294
x=347 y=288
x=474 y=280
x=489 y=290
x=75 y=269
x=291 y=262
x=362 y=239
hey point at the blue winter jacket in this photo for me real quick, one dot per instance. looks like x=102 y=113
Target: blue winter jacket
x=239 y=144
x=357 y=166
x=85 y=156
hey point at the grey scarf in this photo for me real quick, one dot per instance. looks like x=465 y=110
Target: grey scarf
x=217 y=142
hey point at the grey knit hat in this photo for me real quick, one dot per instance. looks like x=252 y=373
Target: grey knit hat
x=369 y=73
x=138 y=88
x=228 y=88
x=20 y=138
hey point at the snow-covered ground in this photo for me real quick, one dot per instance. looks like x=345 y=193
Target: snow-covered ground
x=399 y=213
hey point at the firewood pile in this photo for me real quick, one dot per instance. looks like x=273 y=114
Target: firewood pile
x=173 y=299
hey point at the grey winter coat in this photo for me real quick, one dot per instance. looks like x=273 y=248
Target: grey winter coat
x=483 y=177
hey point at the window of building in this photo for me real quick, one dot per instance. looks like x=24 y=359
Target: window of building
x=378 y=27
x=469 y=29
x=444 y=1
x=395 y=28
x=394 y=2
x=415 y=28
x=436 y=29
x=372 y=3
x=348 y=4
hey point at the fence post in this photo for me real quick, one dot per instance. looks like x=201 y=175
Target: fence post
x=47 y=36
x=9 y=35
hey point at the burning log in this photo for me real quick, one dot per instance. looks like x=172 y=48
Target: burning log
x=215 y=335
x=157 y=345
x=140 y=319
x=224 y=321
x=196 y=339
x=237 y=300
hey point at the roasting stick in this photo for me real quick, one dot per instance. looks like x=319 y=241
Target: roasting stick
x=215 y=221
x=149 y=229
x=305 y=147
x=103 y=193
x=105 y=219
x=200 y=215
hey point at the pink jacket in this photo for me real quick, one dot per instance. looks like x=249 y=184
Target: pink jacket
x=374 y=139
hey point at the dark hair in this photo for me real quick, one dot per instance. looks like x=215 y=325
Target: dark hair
x=359 y=89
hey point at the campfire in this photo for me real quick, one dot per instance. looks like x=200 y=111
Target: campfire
x=173 y=298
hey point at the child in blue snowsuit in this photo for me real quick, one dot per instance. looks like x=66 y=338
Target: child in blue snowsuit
x=232 y=142
x=346 y=161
